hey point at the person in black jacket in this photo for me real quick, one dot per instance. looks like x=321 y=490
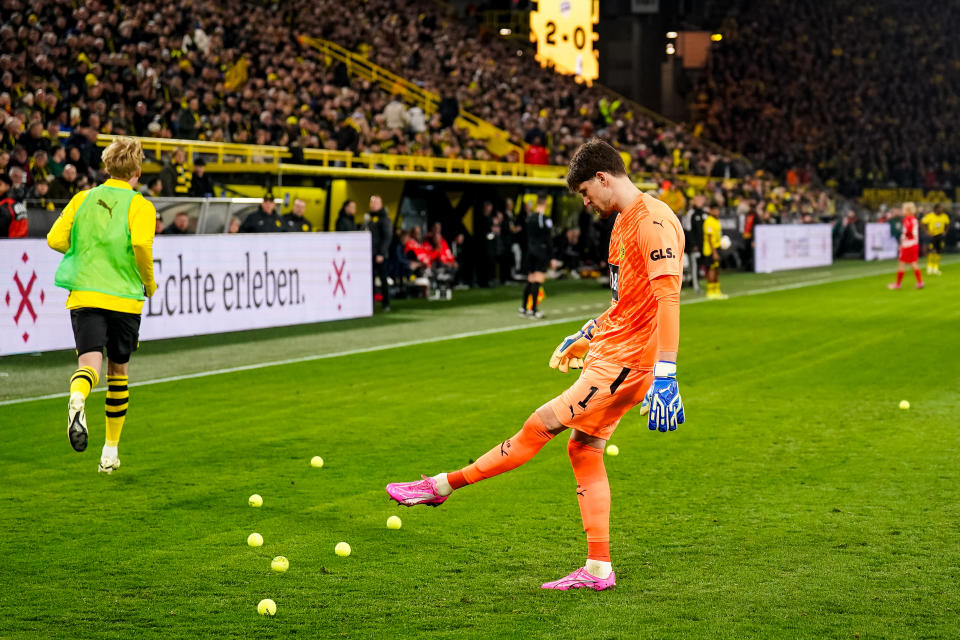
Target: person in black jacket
x=381 y=228
x=294 y=221
x=539 y=253
x=347 y=218
x=264 y=219
x=201 y=186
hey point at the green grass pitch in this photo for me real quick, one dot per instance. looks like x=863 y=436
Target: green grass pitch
x=797 y=501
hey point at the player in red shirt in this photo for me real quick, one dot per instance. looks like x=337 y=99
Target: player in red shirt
x=632 y=357
x=909 y=246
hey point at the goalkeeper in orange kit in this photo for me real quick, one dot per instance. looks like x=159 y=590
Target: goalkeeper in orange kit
x=627 y=353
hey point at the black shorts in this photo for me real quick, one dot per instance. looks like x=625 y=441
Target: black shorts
x=537 y=262
x=710 y=262
x=94 y=329
x=937 y=243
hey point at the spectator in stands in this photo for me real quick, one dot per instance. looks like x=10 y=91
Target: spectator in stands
x=264 y=219
x=153 y=188
x=395 y=114
x=39 y=167
x=536 y=153
x=347 y=217
x=56 y=160
x=201 y=186
x=39 y=196
x=158 y=226
x=13 y=213
x=33 y=140
x=188 y=120
x=381 y=229
x=234 y=225
x=175 y=175
x=179 y=226
x=294 y=221
x=64 y=187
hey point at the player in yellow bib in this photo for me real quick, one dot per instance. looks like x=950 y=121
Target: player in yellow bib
x=712 y=237
x=937 y=223
x=106 y=236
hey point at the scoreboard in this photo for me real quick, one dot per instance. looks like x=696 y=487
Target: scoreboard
x=565 y=36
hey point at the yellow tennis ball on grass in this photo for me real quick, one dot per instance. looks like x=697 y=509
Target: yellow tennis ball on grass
x=280 y=564
x=267 y=607
x=255 y=540
x=342 y=549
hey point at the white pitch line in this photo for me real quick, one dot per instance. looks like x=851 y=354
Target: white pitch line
x=413 y=343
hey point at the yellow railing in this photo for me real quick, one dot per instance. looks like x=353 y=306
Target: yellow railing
x=498 y=140
x=248 y=157
x=227 y=157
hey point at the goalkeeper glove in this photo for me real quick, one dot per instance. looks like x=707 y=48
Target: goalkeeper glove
x=570 y=353
x=663 y=399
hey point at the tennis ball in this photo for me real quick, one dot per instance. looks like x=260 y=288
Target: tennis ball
x=342 y=549
x=316 y=461
x=904 y=404
x=280 y=564
x=255 y=500
x=613 y=450
x=267 y=607
x=393 y=522
x=255 y=540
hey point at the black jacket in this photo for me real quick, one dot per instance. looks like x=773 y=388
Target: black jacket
x=345 y=222
x=260 y=222
x=381 y=227
x=539 y=234
x=293 y=222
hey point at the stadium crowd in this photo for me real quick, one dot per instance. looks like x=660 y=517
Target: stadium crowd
x=870 y=100
x=205 y=71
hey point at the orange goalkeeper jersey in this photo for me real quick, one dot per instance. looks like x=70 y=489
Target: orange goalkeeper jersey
x=644 y=245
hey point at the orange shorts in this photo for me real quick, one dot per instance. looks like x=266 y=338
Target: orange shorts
x=601 y=395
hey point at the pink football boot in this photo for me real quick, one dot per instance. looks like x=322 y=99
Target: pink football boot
x=421 y=492
x=580 y=579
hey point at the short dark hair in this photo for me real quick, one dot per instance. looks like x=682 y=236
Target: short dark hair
x=594 y=155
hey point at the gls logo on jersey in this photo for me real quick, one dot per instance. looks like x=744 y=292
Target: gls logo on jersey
x=660 y=254
x=615 y=281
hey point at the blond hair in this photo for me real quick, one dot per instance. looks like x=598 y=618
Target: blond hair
x=909 y=207
x=123 y=157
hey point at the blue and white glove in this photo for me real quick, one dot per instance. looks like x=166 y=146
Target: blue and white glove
x=663 y=399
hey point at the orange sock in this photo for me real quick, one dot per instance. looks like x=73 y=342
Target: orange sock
x=507 y=455
x=593 y=494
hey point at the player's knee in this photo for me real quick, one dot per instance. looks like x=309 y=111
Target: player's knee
x=536 y=427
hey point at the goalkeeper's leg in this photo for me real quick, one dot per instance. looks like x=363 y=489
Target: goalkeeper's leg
x=538 y=430
x=509 y=454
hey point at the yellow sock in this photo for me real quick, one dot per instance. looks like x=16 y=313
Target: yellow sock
x=118 y=398
x=937 y=264
x=83 y=380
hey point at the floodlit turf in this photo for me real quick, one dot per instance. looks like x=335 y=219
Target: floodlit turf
x=797 y=501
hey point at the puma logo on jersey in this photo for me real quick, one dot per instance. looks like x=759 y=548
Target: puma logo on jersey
x=659 y=222
x=106 y=206
x=660 y=254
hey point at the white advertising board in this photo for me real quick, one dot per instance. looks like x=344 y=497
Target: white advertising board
x=792 y=246
x=206 y=284
x=880 y=245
